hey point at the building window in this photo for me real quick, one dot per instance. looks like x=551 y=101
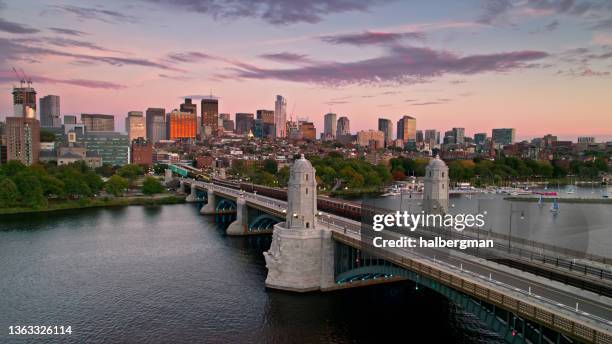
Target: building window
x=430 y=173
x=306 y=177
x=307 y=224
x=442 y=174
x=307 y=191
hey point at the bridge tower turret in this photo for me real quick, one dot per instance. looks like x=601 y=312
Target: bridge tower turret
x=301 y=255
x=435 y=190
x=302 y=195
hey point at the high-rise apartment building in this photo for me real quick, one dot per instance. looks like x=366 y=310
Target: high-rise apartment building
x=244 y=123
x=343 y=127
x=22 y=139
x=156 y=124
x=98 y=122
x=406 y=129
x=210 y=116
x=280 y=116
x=181 y=125
x=135 y=125
x=503 y=136
x=329 y=126
x=386 y=126
x=50 y=112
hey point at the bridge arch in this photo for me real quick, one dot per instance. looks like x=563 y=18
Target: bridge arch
x=225 y=205
x=263 y=222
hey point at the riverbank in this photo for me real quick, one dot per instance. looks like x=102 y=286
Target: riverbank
x=97 y=203
x=352 y=193
x=560 y=200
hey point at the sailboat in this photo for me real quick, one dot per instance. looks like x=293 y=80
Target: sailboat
x=554 y=208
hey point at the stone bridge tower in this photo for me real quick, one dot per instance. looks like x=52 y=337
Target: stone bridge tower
x=301 y=254
x=435 y=191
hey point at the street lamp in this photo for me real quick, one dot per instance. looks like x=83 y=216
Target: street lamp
x=510 y=224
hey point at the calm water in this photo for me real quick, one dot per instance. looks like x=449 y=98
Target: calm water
x=583 y=227
x=169 y=275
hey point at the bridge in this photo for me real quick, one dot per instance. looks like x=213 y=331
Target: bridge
x=313 y=250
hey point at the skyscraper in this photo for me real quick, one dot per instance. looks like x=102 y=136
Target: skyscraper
x=329 y=127
x=480 y=138
x=343 y=127
x=135 y=125
x=98 y=122
x=308 y=131
x=406 y=129
x=156 y=124
x=503 y=136
x=459 y=135
x=244 y=122
x=210 y=116
x=280 y=116
x=432 y=137
x=267 y=118
x=181 y=125
x=24 y=102
x=50 y=112
x=386 y=126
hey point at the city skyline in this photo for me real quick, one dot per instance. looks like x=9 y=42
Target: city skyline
x=534 y=66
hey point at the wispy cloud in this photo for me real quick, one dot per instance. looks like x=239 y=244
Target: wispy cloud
x=275 y=12
x=6 y=76
x=400 y=65
x=371 y=37
x=287 y=57
x=12 y=27
x=69 y=32
x=96 y=13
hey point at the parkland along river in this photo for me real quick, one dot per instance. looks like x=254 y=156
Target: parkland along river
x=169 y=275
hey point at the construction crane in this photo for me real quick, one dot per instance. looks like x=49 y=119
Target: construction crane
x=26 y=77
x=19 y=77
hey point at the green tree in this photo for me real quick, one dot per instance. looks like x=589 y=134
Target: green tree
x=130 y=172
x=8 y=193
x=31 y=191
x=116 y=185
x=52 y=185
x=270 y=166
x=12 y=168
x=46 y=136
x=151 y=185
x=106 y=170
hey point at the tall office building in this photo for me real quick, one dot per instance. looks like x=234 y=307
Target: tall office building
x=343 y=127
x=156 y=124
x=386 y=126
x=70 y=119
x=280 y=116
x=50 y=112
x=459 y=135
x=98 y=122
x=329 y=126
x=189 y=106
x=24 y=102
x=480 y=138
x=135 y=125
x=268 y=126
x=181 y=125
x=406 y=129
x=308 y=131
x=22 y=139
x=503 y=136
x=419 y=136
x=432 y=137
x=210 y=116
x=244 y=123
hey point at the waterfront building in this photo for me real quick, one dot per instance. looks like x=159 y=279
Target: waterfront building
x=113 y=148
x=22 y=139
x=141 y=152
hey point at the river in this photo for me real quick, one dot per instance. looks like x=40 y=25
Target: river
x=169 y=275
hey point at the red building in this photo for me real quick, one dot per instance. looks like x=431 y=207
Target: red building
x=142 y=153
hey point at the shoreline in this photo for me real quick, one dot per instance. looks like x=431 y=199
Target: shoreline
x=98 y=203
x=550 y=199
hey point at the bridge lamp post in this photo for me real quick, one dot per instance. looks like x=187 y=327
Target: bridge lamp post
x=512 y=212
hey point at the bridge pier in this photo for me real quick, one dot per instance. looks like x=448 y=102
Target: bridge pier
x=240 y=225
x=193 y=197
x=181 y=187
x=209 y=208
x=167 y=176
